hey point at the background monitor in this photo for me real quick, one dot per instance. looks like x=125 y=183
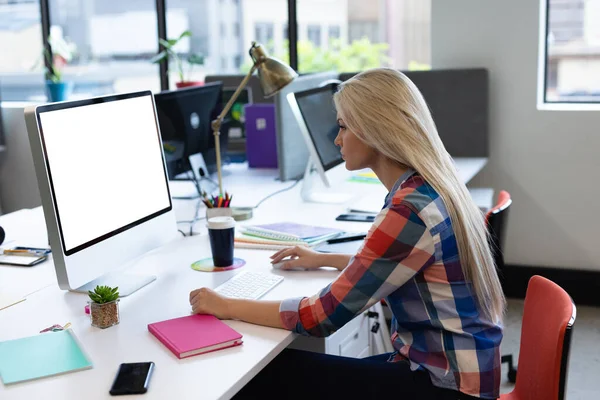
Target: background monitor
x=103 y=184
x=185 y=117
x=292 y=152
x=320 y=117
x=2 y=139
x=316 y=116
x=458 y=101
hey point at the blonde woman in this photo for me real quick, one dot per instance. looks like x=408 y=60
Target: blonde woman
x=426 y=254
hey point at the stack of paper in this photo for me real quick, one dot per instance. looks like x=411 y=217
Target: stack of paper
x=42 y=355
x=281 y=235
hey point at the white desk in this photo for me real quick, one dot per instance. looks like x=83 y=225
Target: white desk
x=468 y=167
x=211 y=376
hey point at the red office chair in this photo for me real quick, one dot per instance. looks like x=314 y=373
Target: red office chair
x=548 y=319
x=496 y=219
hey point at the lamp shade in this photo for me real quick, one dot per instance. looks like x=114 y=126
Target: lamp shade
x=273 y=74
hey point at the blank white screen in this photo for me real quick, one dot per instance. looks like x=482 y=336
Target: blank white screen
x=106 y=166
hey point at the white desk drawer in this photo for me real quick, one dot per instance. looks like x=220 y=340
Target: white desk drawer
x=350 y=341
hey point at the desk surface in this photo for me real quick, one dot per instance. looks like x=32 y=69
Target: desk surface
x=211 y=376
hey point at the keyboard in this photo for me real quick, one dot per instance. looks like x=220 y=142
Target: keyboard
x=249 y=285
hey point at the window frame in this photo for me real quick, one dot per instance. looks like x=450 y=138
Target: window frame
x=543 y=104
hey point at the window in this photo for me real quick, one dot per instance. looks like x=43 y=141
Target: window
x=364 y=34
x=208 y=24
x=314 y=34
x=113 y=43
x=263 y=33
x=237 y=61
x=21 y=68
x=572 y=52
x=334 y=32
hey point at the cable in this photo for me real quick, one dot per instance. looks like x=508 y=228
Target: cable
x=195 y=219
x=277 y=192
x=182 y=232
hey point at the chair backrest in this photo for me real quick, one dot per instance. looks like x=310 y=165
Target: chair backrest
x=548 y=319
x=496 y=219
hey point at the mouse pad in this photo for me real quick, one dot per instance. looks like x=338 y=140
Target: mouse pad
x=207 y=265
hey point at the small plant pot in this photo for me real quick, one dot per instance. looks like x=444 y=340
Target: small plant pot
x=58 y=91
x=181 y=85
x=104 y=315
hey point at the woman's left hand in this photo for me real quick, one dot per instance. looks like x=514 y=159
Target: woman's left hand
x=207 y=301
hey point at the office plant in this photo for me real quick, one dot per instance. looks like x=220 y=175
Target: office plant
x=57 y=88
x=104 y=306
x=169 y=53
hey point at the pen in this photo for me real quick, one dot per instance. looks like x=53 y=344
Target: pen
x=358 y=236
x=23 y=252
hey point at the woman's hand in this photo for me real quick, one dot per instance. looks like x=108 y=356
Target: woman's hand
x=300 y=256
x=207 y=301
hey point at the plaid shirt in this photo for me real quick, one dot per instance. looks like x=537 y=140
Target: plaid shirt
x=410 y=259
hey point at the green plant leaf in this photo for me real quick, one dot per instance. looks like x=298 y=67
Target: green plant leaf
x=186 y=33
x=165 y=43
x=163 y=55
x=104 y=294
x=196 y=59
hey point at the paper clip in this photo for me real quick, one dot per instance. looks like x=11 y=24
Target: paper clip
x=56 y=328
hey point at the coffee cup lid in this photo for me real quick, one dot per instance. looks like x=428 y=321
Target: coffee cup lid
x=221 y=222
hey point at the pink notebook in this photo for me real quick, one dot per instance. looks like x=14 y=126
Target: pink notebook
x=194 y=334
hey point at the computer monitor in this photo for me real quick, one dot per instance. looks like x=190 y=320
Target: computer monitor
x=234 y=124
x=185 y=117
x=458 y=101
x=102 y=179
x=292 y=153
x=316 y=116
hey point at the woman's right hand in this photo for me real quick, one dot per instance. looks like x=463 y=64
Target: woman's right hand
x=299 y=256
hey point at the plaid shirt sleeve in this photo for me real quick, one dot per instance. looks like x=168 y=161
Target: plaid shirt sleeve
x=397 y=247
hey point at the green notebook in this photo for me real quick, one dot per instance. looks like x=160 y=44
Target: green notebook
x=47 y=354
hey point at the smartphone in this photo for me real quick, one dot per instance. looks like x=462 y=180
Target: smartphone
x=132 y=378
x=21 y=261
x=356 y=217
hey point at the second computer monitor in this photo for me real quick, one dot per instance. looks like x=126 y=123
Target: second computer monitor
x=319 y=115
x=185 y=117
x=316 y=117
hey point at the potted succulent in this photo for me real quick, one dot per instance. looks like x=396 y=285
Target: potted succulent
x=170 y=52
x=58 y=89
x=104 y=306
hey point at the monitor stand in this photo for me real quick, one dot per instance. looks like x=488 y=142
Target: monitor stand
x=310 y=195
x=127 y=283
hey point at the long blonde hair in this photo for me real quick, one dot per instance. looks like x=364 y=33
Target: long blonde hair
x=387 y=112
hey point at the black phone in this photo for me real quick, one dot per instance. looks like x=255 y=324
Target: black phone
x=356 y=217
x=132 y=378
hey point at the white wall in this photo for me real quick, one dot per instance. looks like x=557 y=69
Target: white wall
x=18 y=185
x=547 y=160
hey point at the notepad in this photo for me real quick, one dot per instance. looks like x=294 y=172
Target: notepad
x=304 y=232
x=195 y=334
x=47 y=354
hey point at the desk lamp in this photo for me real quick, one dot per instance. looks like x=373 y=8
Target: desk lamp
x=273 y=75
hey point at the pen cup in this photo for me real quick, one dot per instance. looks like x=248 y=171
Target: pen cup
x=221 y=232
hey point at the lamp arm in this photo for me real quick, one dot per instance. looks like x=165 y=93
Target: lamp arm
x=216 y=123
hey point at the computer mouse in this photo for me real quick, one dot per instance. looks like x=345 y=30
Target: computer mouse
x=279 y=264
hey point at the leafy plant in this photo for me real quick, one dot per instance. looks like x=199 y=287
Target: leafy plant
x=357 y=56
x=104 y=294
x=169 y=52
x=62 y=53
